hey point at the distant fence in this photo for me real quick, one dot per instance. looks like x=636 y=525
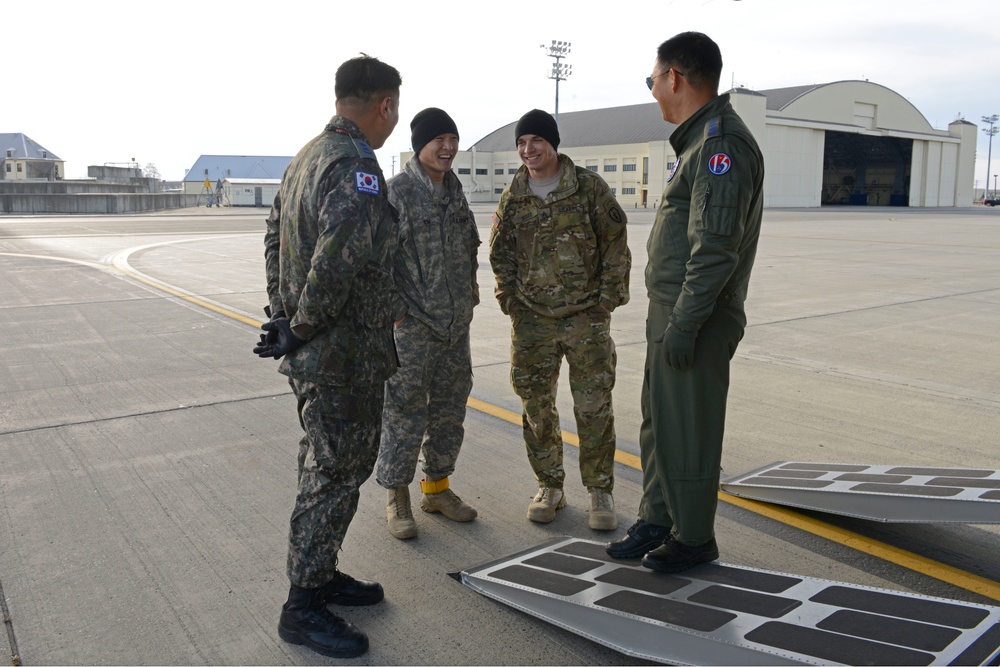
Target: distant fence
x=94 y=203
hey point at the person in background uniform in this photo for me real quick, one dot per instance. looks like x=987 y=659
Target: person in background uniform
x=701 y=250
x=436 y=274
x=329 y=247
x=559 y=251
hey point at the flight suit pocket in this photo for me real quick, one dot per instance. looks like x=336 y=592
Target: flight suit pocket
x=720 y=207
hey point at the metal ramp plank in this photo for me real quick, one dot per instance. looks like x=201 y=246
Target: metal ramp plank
x=719 y=614
x=897 y=494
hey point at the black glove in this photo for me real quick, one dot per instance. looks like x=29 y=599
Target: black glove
x=271 y=337
x=677 y=347
x=286 y=341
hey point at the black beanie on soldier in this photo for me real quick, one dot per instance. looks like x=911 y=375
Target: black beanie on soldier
x=540 y=123
x=429 y=123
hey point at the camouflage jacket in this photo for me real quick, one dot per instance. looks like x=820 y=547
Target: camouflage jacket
x=328 y=252
x=704 y=239
x=562 y=255
x=438 y=241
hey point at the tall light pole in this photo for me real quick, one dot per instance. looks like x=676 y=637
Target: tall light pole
x=990 y=131
x=560 y=70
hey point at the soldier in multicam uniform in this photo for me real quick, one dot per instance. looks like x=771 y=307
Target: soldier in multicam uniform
x=436 y=274
x=701 y=251
x=329 y=247
x=559 y=251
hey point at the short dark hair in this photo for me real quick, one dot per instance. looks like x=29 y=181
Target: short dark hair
x=696 y=56
x=365 y=79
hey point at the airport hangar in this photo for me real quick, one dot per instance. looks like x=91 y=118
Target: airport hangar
x=844 y=143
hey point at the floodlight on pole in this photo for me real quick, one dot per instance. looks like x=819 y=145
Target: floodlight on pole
x=990 y=131
x=560 y=70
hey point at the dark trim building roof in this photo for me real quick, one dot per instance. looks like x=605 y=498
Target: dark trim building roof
x=24 y=147
x=638 y=123
x=634 y=124
x=237 y=166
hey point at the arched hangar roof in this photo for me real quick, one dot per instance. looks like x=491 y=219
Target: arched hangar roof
x=642 y=123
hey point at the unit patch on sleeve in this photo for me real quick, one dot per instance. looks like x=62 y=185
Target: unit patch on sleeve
x=719 y=164
x=367 y=183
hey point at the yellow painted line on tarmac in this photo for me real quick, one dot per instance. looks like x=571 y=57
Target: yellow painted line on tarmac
x=901 y=557
x=190 y=298
x=872 y=547
x=163 y=287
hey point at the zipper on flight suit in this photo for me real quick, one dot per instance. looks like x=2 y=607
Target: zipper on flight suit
x=708 y=193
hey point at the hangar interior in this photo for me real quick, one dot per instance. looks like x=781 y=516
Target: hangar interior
x=862 y=170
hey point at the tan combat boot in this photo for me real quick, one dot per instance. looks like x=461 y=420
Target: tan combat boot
x=439 y=498
x=399 y=515
x=543 y=508
x=602 y=510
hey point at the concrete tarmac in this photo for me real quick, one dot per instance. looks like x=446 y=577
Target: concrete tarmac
x=147 y=457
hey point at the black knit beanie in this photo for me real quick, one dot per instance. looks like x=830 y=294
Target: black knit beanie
x=540 y=123
x=429 y=123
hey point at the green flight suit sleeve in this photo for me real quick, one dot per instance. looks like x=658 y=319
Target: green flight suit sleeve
x=719 y=208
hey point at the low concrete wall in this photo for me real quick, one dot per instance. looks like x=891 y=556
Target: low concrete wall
x=67 y=187
x=94 y=203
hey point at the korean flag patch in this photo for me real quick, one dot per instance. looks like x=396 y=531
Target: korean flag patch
x=367 y=183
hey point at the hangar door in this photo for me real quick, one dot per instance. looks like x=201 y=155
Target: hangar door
x=863 y=170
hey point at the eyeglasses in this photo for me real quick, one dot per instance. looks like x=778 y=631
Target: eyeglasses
x=649 y=79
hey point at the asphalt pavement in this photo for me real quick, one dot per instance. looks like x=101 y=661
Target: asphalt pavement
x=147 y=457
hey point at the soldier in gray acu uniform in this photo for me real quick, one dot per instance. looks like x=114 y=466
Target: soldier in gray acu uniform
x=560 y=255
x=436 y=274
x=329 y=247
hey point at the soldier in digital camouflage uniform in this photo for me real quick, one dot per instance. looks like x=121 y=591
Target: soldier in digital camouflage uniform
x=560 y=255
x=329 y=246
x=701 y=251
x=436 y=274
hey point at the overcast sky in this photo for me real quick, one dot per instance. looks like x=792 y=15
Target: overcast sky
x=105 y=81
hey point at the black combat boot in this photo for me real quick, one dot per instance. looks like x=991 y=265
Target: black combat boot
x=347 y=591
x=306 y=620
x=673 y=556
x=641 y=538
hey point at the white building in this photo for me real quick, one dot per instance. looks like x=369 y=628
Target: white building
x=843 y=143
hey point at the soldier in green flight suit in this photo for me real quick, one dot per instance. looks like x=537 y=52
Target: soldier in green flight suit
x=701 y=251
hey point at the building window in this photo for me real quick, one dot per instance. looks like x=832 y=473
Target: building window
x=498 y=171
x=592 y=167
x=482 y=172
x=628 y=191
x=498 y=191
x=628 y=167
x=611 y=167
x=19 y=169
x=511 y=170
x=645 y=171
x=464 y=170
x=8 y=167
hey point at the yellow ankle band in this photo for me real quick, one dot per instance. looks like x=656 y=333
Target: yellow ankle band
x=436 y=486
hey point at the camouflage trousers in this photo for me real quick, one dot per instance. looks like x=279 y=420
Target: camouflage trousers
x=336 y=455
x=538 y=345
x=424 y=405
